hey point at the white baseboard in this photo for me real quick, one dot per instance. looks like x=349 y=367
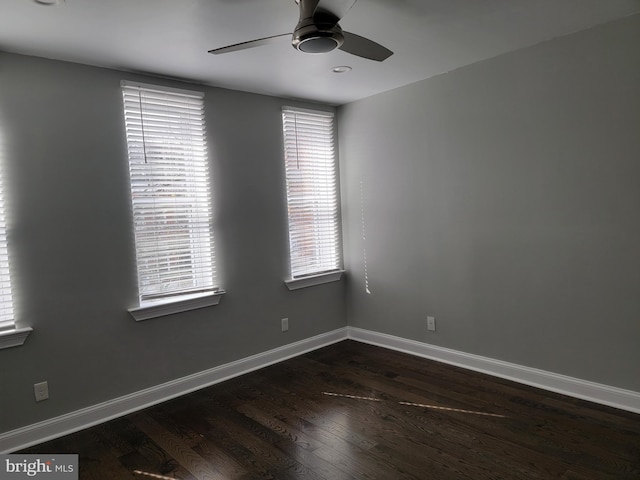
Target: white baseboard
x=72 y=422
x=574 y=387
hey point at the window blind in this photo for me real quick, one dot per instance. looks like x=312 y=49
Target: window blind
x=312 y=197
x=6 y=300
x=170 y=191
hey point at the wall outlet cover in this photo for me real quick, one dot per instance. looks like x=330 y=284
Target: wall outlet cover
x=41 y=391
x=431 y=324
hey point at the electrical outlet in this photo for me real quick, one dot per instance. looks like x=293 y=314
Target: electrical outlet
x=431 y=324
x=285 y=324
x=41 y=391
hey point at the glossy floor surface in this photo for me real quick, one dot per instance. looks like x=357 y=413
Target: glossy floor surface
x=355 y=411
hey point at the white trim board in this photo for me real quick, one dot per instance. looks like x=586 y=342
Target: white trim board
x=72 y=422
x=573 y=387
x=102 y=412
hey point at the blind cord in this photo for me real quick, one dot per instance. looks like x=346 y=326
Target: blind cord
x=144 y=143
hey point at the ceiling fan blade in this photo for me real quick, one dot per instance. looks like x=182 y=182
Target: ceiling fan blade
x=250 y=44
x=337 y=8
x=365 y=48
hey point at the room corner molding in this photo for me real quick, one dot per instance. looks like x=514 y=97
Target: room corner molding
x=594 y=392
x=74 y=421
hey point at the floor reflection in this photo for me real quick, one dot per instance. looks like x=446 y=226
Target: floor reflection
x=420 y=405
x=355 y=397
x=152 y=475
x=448 y=409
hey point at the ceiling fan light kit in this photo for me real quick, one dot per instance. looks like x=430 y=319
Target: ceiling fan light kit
x=318 y=31
x=317 y=38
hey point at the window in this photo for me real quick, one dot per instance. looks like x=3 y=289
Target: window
x=6 y=302
x=10 y=335
x=171 y=199
x=312 y=197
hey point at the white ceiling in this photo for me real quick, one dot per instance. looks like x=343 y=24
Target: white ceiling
x=171 y=38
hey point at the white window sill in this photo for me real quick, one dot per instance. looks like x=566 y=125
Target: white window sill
x=160 y=308
x=297 y=283
x=14 y=337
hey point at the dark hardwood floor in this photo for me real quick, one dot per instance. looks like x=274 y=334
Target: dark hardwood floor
x=355 y=411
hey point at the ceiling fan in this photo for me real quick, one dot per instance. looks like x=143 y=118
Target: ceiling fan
x=318 y=31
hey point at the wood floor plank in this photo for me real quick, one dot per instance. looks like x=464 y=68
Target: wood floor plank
x=355 y=411
x=370 y=416
x=187 y=422
x=175 y=447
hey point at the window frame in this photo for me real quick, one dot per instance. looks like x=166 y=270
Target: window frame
x=324 y=156
x=177 y=206
x=10 y=334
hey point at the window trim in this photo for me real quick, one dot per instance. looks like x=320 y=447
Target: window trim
x=183 y=303
x=313 y=280
x=14 y=337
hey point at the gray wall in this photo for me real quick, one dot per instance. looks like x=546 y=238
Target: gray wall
x=63 y=148
x=504 y=198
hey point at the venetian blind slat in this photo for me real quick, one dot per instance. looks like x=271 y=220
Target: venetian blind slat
x=170 y=190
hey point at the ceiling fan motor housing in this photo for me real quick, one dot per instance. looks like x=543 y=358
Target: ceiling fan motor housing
x=317 y=37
